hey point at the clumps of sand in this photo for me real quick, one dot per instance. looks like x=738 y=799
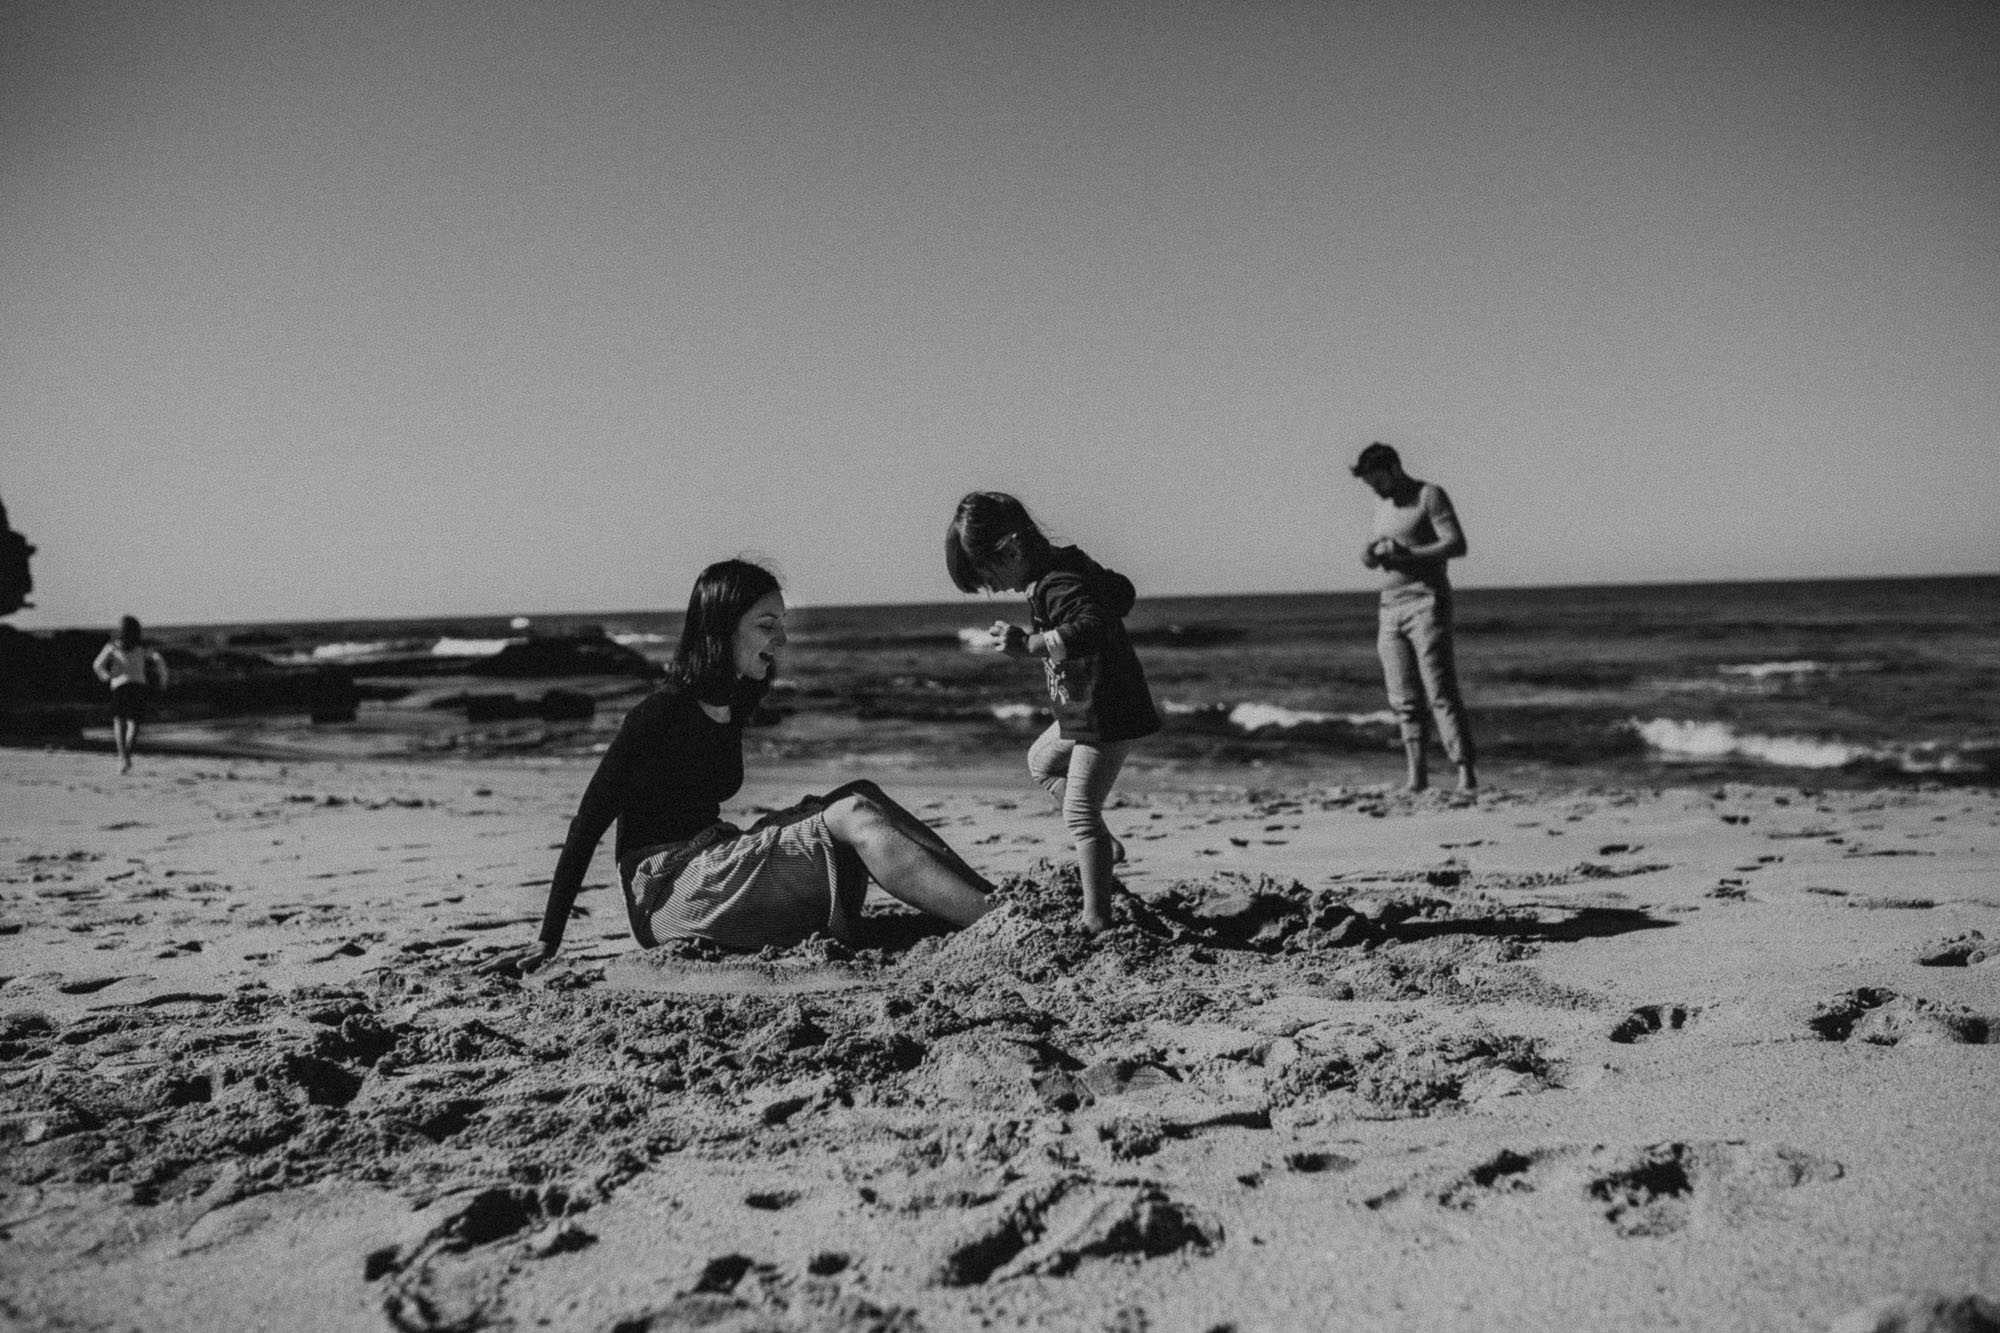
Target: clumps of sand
x=1882 y=1017
x=1049 y=1226
x=427 y=1077
x=1407 y=1068
x=1965 y=950
x=1645 y=1191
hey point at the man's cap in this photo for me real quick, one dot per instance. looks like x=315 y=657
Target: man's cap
x=1376 y=457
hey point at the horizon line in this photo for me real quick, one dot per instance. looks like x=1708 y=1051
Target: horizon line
x=970 y=599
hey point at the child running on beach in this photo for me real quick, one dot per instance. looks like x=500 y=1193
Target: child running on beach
x=1097 y=689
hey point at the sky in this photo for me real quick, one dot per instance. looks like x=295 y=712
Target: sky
x=339 y=310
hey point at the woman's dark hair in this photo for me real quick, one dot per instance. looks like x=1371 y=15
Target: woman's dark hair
x=129 y=633
x=983 y=524
x=704 y=664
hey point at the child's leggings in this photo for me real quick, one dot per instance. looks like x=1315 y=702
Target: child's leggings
x=1079 y=775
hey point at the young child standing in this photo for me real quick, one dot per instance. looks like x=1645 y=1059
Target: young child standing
x=133 y=669
x=1097 y=689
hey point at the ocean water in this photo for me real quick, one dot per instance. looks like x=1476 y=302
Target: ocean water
x=1850 y=680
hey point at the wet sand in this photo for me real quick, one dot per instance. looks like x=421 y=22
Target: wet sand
x=1717 y=1058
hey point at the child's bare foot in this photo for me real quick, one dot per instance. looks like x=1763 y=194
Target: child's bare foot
x=1117 y=850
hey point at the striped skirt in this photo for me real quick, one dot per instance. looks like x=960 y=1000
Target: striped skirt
x=775 y=883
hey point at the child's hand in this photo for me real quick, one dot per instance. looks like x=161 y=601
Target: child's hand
x=1009 y=639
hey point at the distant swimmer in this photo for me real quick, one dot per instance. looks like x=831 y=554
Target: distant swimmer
x=1416 y=532
x=132 y=669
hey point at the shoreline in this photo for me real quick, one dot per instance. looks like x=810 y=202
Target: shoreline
x=290 y=741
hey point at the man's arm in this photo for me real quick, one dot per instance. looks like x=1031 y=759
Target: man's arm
x=1450 y=543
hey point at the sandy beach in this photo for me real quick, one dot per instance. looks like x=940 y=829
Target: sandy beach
x=1716 y=1058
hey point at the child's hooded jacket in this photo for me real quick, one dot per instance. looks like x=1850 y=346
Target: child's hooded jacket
x=1097 y=689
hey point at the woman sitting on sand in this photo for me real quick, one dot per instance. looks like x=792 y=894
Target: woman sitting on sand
x=679 y=755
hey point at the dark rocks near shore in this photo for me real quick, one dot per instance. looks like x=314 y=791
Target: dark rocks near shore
x=48 y=692
x=582 y=653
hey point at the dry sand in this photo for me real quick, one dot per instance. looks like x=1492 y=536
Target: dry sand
x=1588 y=1059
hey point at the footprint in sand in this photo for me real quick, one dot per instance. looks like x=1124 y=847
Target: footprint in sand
x=1506 y=1172
x=734 y=1291
x=1655 y=1190
x=1959 y=951
x=1884 y=1018
x=1651 y=1019
x=1051 y=1227
x=1650 y=1190
x=90 y=986
x=1312 y=1162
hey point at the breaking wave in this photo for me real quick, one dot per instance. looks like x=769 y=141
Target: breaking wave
x=1766 y=670
x=1253 y=716
x=351 y=651
x=1675 y=739
x=469 y=647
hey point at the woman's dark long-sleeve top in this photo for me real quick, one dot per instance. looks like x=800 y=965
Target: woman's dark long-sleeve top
x=1097 y=689
x=663 y=778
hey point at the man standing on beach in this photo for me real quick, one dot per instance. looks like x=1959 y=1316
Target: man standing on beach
x=1416 y=532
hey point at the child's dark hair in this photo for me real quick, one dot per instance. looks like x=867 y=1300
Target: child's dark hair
x=704 y=663
x=985 y=522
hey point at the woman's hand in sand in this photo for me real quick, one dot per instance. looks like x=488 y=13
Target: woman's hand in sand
x=520 y=963
x=1009 y=639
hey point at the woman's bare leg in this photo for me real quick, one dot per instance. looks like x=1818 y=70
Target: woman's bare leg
x=905 y=856
x=908 y=823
